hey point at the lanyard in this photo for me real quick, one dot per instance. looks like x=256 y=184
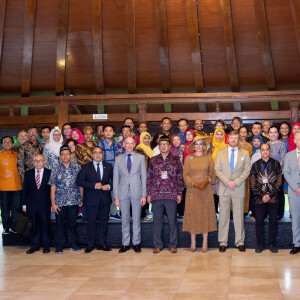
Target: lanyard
x=265 y=168
x=165 y=163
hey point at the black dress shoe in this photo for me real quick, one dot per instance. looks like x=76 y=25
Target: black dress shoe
x=89 y=250
x=295 y=250
x=222 y=248
x=137 y=248
x=259 y=249
x=124 y=249
x=32 y=250
x=273 y=249
x=242 y=248
x=104 y=248
x=46 y=250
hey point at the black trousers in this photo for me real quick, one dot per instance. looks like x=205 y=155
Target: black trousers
x=10 y=208
x=281 y=202
x=251 y=203
x=67 y=214
x=260 y=212
x=40 y=227
x=98 y=212
x=216 y=200
x=181 y=205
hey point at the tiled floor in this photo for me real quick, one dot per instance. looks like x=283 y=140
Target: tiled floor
x=185 y=275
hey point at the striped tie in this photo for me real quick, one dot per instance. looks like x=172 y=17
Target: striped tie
x=37 y=180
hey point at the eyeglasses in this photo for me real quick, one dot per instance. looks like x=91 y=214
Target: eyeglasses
x=7 y=143
x=38 y=161
x=97 y=153
x=57 y=134
x=32 y=132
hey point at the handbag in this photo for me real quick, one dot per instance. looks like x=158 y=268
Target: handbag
x=23 y=226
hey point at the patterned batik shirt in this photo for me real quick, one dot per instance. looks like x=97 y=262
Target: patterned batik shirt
x=64 y=179
x=109 y=151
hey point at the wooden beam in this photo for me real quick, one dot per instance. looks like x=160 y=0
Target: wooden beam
x=274 y=105
x=2 y=21
x=237 y=106
x=63 y=113
x=97 y=34
x=142 y=108
x=192 y=18
x=230 y=45
x=168 y=107
x=29 y=25
x=61 y=46
x=129 y=15
x=263 y=33
x=110 y=118
x=162 y=27
x=294 y=111
x=25 y=120
x=202 y=106
x=295 y=9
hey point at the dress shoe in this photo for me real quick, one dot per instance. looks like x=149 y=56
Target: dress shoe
x=124 y=249
x=295 y=250
x=259 y=249
x=173 y=250
x=156 y=250
x=75 y=248
x=59 y=250
x=273 y=249
x=46 y=250
x=32 y=250
x=104 y=248
x=241 y=248
x=89 y=250
x=222 y=248
x=137 y=248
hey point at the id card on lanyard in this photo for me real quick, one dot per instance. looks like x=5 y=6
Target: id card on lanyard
x=265 y=179
x=164 y=173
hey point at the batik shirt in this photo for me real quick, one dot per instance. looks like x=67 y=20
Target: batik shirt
x=109 y=151
x=64 y=179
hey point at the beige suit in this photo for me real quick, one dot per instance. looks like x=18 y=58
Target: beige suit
x=235 y=197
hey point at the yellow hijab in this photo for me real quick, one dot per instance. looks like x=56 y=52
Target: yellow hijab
x=218 y=145
x=142 y=146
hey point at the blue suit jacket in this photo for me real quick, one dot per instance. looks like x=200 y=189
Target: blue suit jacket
x=88 y=177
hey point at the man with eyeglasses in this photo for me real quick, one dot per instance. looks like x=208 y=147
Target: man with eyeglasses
x=27 y=152
x=10 y=186
x=96 y=178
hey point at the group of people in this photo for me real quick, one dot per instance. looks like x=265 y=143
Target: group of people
x=192 y=175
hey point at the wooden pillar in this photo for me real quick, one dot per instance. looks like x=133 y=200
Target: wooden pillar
x=63 y=113
x=294 y=106
x=217 y=107
x=142 y=108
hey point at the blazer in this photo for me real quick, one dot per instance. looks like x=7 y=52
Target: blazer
x=239 y=174
x=88 y=177
x=135 y=181
x=291 y=173
x=35 y=198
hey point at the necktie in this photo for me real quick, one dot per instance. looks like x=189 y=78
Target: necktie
x=232 y=160
x=98 y=171
x=129 y=163
x=38 y=180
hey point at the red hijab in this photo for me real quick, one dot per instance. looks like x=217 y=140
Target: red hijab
x=291 y=143
x=186 y=144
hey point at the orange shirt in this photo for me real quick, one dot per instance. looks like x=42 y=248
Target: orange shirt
x=10 y=179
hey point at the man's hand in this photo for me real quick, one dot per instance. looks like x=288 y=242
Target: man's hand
x=178 y=199
x=149 y=199
x=98 y=186
x=298 y=191
x=266 y=198
x=55 y=208
x=143 y=201
x=231 y=185
x=105 y=187
x=117 y=202
x=80 y=204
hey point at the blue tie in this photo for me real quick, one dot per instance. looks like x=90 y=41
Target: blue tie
x=128 y=163
x=232 y=160
x=98 y=171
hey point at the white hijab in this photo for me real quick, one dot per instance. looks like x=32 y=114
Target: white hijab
x=53 y=146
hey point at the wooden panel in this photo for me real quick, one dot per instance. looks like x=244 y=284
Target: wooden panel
x=129 y=15
x=2 y=20
x=25 y=120
x=263 y=33
x=62 y=34
x=230 y=44
x=97 y=33
x=110 y=117
x=192 y=17
x=161 y=22
x=295 y=9
x=29 y=26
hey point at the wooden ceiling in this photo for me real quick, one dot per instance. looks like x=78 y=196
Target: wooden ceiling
x=137 y=46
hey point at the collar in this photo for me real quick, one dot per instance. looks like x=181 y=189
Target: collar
x=132 y=154
x=235 y=148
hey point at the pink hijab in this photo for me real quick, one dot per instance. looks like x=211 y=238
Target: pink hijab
x=81 y=138
x=291 y=143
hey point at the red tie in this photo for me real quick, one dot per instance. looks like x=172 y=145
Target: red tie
x=37 y=180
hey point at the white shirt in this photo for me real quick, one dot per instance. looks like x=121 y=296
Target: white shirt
x=100 y=166
x=235 y=154
x=41 y=174
x=156 y=151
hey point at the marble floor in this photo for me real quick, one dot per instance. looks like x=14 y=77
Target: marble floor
x=185 y=275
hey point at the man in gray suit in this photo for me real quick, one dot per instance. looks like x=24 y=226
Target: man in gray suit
x=129 y=180
x=232 y=168
x=291 y=171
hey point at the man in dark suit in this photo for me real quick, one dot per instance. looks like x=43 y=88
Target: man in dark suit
x=36 y=202
x=96 y=178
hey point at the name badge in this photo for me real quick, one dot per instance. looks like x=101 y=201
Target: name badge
x=265 y=180
x=164 y=175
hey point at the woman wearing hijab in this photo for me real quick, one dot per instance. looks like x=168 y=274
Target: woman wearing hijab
x=175 y=144
x=218 y=144
x=77 y=135
x=189 y=137
x=256 y=144
x=51 y=151
x=291 y=143
x=144 y=147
